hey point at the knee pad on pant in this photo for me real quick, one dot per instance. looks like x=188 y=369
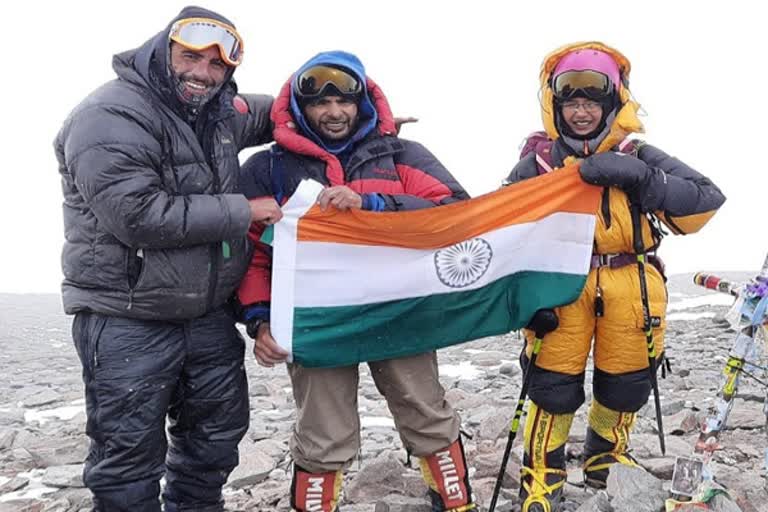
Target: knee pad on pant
x=556 y=393
x=445 y=472
x=315 y=491
x=626 y=392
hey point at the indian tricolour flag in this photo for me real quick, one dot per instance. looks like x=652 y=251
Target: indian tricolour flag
x=361 y=286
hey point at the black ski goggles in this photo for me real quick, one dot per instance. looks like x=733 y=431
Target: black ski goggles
x=201 y=33
x=592 y=84
x=312 y=82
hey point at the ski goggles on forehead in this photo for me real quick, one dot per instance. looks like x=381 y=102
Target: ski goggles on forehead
x=313 y=81
x=201 y=33
x=591 y=83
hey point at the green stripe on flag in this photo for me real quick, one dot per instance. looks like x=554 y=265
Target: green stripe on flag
x=346 y=335
x=268 y=235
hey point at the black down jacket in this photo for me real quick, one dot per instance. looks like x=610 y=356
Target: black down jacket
x=154 y=225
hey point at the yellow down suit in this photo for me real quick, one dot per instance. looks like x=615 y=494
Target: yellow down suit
x=610 y=309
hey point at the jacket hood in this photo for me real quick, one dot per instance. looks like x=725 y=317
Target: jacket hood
x=366 y=111
x=300 y=141
x=625 y=121
x=150 y=60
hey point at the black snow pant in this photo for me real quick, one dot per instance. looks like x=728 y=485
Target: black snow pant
x=138 y=373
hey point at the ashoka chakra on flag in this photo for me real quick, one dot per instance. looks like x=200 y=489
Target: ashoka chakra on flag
x=464 y=263
x=357 y=286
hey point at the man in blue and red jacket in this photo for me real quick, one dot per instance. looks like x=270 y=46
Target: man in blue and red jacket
x=334 y=125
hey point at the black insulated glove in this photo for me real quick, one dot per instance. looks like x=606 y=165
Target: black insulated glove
x=543 y=321
x=614 y=170
x=645 y=186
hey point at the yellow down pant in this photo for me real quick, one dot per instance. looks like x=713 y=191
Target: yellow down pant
x=620 y=350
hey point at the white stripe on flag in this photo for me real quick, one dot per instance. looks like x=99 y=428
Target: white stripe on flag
x=283 y=275
x=337 y=274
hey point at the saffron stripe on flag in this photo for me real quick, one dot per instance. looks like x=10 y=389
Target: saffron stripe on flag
x=527 y=201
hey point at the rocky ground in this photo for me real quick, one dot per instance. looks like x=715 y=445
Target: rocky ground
x=42 y=445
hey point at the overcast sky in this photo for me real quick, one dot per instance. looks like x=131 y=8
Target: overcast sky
x=468 y=70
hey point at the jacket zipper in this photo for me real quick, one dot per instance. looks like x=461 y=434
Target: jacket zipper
x=136 y=256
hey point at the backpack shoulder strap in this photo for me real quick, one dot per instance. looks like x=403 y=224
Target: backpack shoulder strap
x=276 y=173
x=544 y=160
x=630 y=146
x=539 y=143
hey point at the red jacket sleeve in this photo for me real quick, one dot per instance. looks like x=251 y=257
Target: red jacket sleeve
x=256 y=286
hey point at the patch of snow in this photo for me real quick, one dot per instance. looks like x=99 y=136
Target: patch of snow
x=34 y=490
x=62 y=413
x=710 y=299
x=463 y=370
x=690 y=316
x=376 y=421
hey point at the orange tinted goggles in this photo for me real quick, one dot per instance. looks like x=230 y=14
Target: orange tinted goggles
x=592 y=83
x=201 y=33
x=313 y=81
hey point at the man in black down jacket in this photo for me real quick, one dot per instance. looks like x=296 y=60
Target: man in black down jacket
x=155 y=246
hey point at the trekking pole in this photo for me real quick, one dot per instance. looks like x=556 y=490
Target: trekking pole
x=648 y=321
x=543 y=322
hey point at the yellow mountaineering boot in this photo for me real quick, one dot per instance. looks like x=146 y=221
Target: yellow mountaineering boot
x=445 y=472
x=607 y=443
x=543 y=472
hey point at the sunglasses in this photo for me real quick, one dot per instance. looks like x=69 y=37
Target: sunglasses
x=201 y=33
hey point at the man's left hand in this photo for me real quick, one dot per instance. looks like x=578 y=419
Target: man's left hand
x=265 y=210
x=268 y=353
x=340 y=197
x=400 y=121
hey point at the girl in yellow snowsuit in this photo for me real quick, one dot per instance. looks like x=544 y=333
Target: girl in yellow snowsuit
x=588 y=115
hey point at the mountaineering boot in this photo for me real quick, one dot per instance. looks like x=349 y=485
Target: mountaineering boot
x=318 y=492
x=543 y=472
x=607 y=443
x=445 y=472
